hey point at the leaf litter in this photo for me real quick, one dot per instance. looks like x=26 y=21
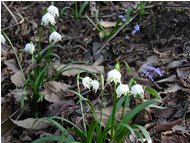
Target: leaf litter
x=157 y=45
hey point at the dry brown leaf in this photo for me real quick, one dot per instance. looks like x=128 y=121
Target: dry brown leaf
x=107 y=24
x=172 y=88
x=75 y=69
x=11 y=65
x=32 y=123
x=169 y=79
x=54 y=91
x=17 y=79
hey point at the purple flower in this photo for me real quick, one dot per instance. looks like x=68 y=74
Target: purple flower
x=151 y=71
x=123 y=19
x=156 y=70
x=136 y=29
x=150 y=76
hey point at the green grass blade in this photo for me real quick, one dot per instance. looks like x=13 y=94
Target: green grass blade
x=83 y=6
x=132 y=113
x=48 y=138
x=145 y=133
x=153 y=92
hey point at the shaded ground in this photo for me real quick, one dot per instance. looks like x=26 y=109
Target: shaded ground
x=163 y=41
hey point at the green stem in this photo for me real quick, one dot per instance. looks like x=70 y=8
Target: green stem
x=114 y=110
x=80 y=100
x=102 y=95
x=39 y=44
x=19 y=63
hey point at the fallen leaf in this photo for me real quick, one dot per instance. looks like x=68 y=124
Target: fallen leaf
x=176 y=64
x=107 y=24
x=75 y=69
x=57 y=108
x=32 y=123
x=54 y=91
x=169 y=79
x=172 y=88
x=17 y=79
x=11 y=65
x=183 y=72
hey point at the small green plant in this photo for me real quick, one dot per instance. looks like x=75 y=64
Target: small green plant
x=114 y=129
x=77 y=11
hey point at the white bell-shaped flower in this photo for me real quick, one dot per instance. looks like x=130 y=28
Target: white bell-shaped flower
x=114 y=75
x=48 y=18
x=55 y=37
x=122 y=89
x=53 y=10
x=95 y=85
x=137 y=89
x=86 y=81
x=3 y=40
x=29 y=48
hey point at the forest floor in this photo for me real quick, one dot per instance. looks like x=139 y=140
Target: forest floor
x=163 y=41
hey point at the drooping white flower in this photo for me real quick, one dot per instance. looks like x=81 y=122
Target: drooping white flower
x=48 y=18
x=137 y=89
x=122 y=89
x=87 y=82
x=29 y=48
x=55 y=36
x=114 y=75
x=3 y=40
x=95 y=85
x=53 y=10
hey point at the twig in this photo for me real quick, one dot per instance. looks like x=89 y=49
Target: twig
x=115 y=34
x=10 y=12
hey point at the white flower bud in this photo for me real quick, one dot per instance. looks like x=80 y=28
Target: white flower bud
x=29 y=48
x=55 y=36
x=48 y=18
x=114 y=75
x=86 y=82
x=95 y=85
x=3 y=40
x=53 y=10
x=122 y=89
x=137 y=89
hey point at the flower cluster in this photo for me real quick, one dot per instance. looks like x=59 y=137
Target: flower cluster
x=151 y=72
x=49 y=17
x=123 y=19
x=123 y=89
x=136 y=29
x=88 y=83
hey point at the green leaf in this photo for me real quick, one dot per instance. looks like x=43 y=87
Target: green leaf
x=91 y=131
x=145 y=133
x=22 y=98
x=128 y=67
x=153 y=92
x=131 y=114
x=83 y=6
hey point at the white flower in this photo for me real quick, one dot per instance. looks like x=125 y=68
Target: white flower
x=95 y=85
x=3 y=40
x=114 y=75
x=137 y=89
x=48 y=18
x=53 y=10
x=87 y=82
x=122 y=89
x=30 y=48
x=55 y=36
